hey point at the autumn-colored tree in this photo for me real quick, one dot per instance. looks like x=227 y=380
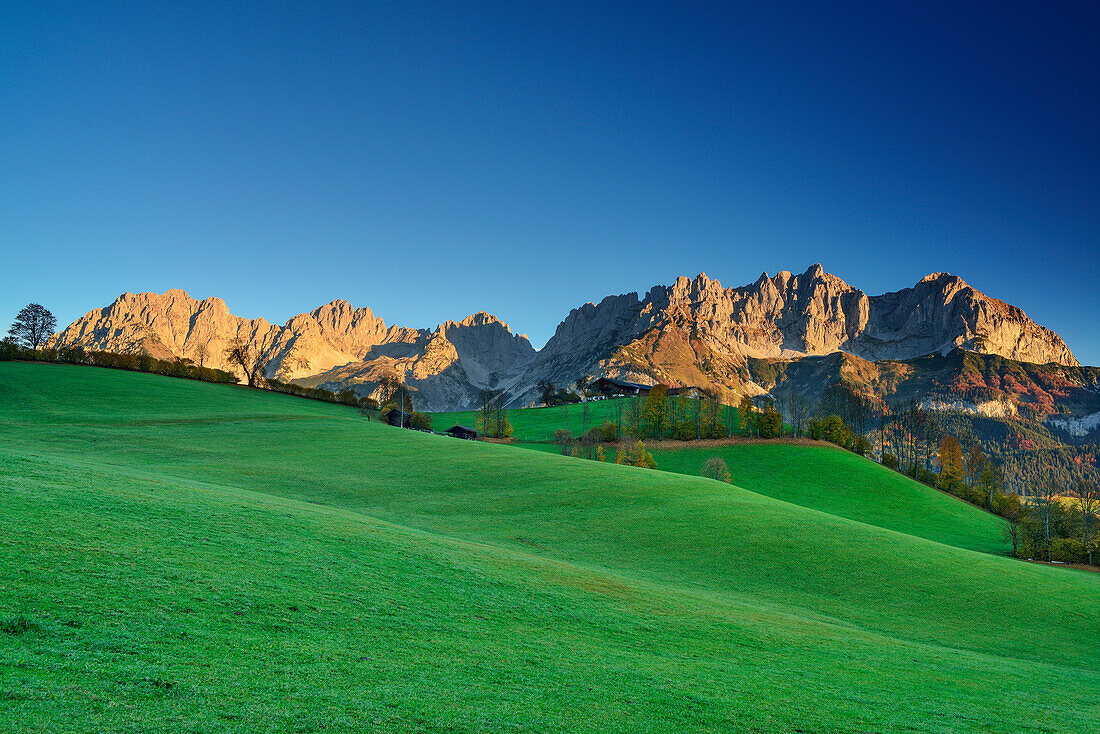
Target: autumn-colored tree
x=638 y=456
x=563 y=437
x=292 y=360
x=656 y=410
x=951 y=463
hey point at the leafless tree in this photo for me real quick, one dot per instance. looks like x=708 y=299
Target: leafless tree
x=240 y=352
x=798 y=410
x=1087 y=495
x=201 y=353
x=33 y=325
x=1042 y=504
x=492 y=415
x=292 y=360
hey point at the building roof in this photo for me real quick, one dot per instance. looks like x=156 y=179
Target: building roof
x=460 y=428
x=625 y=383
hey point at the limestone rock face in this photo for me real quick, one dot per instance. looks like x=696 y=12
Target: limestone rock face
x=336 y=344
x=693 y=332
x=696 y=332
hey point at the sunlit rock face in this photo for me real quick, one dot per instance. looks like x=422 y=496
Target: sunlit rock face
x=335 y=344
x=693 y=332
x=697 y=332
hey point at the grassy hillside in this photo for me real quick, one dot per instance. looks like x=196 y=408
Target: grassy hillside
x=840 y=483
x=178 y=556
x=821 y=477
x=539 y=424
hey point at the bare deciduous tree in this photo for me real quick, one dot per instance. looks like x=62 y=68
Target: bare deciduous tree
x=201 y=353
x=292 y=360
x=240 y=352
x=1087 y=495
x=33 y=325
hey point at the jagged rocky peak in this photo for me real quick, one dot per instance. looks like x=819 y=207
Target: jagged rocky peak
x=694 y=331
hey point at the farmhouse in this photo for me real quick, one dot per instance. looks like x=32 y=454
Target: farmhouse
x=397 y=417
x=462 y=432
x=611 y=387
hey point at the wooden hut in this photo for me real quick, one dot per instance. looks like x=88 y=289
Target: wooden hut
x=397 y=417
x=610 y=387
x=462 y=432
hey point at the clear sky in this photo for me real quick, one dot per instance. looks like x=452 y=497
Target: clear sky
x=431 y=160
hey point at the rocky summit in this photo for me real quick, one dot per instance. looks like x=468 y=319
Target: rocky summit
x=693 y=332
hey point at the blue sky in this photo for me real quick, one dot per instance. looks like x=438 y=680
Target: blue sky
x=431 y=160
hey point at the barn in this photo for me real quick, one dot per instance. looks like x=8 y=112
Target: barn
x=610 y=387
x=462 y=432
x=399 y=418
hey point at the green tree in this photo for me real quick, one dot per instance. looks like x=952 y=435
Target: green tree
x=987 y=484
x=746 y=413
x=771 y=422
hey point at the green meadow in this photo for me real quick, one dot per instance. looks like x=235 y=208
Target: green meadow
x=185 y=557
x=539 y=424
x=819 y=476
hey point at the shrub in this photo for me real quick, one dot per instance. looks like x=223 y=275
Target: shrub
x=715 y=468
x=9 y=350
x=1067 y=550
x=609 y=432
x=637 y=456
x=890 y=461
x=347 y=397
x=563 y=437
x=421 y=421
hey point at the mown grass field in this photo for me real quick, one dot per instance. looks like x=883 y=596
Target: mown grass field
x=539 y=424
x=176 y=556
x=818 y=476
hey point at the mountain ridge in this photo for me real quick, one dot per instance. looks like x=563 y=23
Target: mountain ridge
x=694 y=331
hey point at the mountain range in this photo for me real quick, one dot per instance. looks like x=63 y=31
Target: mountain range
x=693 y=332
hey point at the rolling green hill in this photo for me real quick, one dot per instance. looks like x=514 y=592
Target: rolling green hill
x=178 y=556
x=818 y=476
x=840 y=483
x=539 y=424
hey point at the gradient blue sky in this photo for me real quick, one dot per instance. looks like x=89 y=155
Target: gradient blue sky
x=430 y=160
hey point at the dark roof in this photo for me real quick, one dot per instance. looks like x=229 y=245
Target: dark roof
x=461 y=428
x=624 y=383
